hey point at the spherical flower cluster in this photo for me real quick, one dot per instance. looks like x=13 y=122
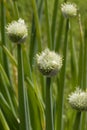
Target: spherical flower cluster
x=17 y=31
x=69 y=10
x=48 y=62
x=78 y=100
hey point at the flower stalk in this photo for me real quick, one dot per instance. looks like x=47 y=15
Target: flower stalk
x=49 y=63
x=48 y=25
x=54 y=19
x=21 y=90
x=3 y=39
x=49 y=111
x=37 y=25
x=60 y=98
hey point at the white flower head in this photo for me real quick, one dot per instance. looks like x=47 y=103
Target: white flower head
x=69 y=10
x=78 y=100
x=48 y=62
x=17 y=31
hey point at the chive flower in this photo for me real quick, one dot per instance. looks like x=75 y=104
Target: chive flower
x=78 y=100
x=69 y=10
x=17 y=31
x=48 y=62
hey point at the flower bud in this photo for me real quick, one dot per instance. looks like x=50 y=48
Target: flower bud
x=49 y=63
x=78 y=100
x=69 y=10
x=17 y=31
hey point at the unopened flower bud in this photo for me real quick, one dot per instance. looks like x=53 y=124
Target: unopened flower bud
x=48 y=62
x=78 y=100
x=69 y=10
x=17 y=31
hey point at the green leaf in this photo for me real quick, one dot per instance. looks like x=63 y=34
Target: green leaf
x=3 y=73
x=3 y=121
x=33 y=104
x=12 y=121
x=12 y=59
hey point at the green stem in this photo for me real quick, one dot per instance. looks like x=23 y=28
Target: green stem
x=76 y=125
x=48 y=25
x=43 y=84
x=28 y=113
x=81 y=76
x=33 y=104
x=40 y=7
x=85 y=66
x=85 y=56
x=3 y=39
x=37 y=24
x=59 y=34
x=83 y=124
x=16 y=9
x=85 y=73
x=60 y=98
x=33 y=45
x=54 y=18
x=81 y=55
x=74 y=65
x=49 y=113
x=4 y=56
x=22 y=94
x=21 y=91
x=82 y=65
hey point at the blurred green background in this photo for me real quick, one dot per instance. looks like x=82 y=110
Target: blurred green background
x=25 y=12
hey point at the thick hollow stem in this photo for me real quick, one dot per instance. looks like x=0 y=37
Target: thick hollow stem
x=37 y=24
x=48 y=25
x=21 y=91
x=59 y=119
x=3 y=39
x=49 y=113
x=54 y=18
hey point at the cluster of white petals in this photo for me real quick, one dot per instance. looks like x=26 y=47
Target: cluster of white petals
x=49 y=63
x=78 y=100
x=69 y=10
x=17 y=31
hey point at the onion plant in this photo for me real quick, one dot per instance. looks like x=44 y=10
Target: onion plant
x=43 y=68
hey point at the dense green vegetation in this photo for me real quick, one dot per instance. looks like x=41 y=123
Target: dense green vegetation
x=29 y=100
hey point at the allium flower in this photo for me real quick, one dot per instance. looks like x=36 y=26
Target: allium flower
x=69 y=10
x=48 y=62
x=78 y=100
x=17 y=31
